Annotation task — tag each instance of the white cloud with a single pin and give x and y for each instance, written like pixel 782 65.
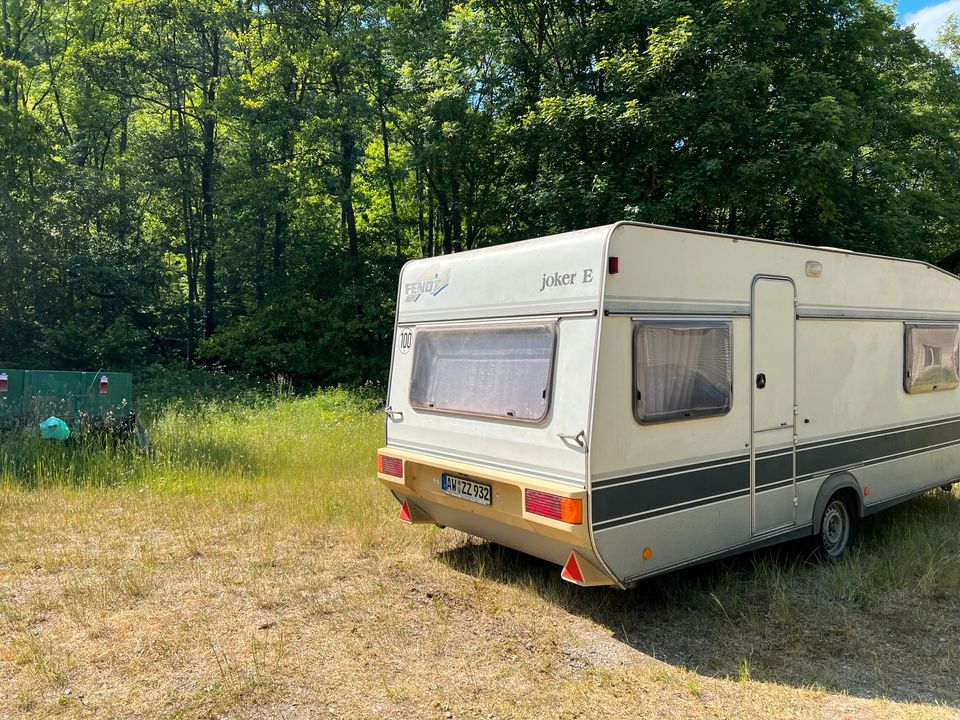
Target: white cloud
pixel 930 19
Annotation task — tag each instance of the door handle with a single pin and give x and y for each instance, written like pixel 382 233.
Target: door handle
pixel 761 381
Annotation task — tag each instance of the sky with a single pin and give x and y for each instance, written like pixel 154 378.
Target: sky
pixel 926 15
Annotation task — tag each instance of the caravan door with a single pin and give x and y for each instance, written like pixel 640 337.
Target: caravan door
pixel 773 404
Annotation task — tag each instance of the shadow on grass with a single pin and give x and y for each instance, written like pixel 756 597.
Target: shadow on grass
pixel 885 622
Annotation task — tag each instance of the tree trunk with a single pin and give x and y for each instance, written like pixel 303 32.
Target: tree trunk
pixel 279 241
pixel 431 229
pixel 207 164
pixel 347 163
pixel 394 217
pixel 259 279
pixel 418 185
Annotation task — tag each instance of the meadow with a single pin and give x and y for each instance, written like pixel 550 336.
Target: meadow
pixel 252 567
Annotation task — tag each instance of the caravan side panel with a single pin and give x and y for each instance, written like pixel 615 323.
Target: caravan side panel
pixel 691 489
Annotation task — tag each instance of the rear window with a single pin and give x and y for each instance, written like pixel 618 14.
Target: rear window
pixel 500 371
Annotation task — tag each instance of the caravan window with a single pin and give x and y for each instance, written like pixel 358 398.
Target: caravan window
pixel 682 369
pixel 501 371
pixel 930 358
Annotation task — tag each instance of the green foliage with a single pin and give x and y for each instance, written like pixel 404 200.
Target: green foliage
pixel 237 184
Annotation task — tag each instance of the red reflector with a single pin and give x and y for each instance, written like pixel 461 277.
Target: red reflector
pixel 571 571
pixel 613 264
pixel 390 465
pixel 104 385
pixel 4 382
pixel 405 513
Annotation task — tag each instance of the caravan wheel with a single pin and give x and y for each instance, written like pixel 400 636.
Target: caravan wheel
pixel 837 528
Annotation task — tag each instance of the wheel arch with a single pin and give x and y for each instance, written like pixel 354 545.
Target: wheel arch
pixel 833 484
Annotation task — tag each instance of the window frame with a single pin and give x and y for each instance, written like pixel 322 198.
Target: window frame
pixel 553 324
pixel 686 323
pixel 909 383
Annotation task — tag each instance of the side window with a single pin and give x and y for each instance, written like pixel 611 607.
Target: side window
pixel 682 369
pixel 930 360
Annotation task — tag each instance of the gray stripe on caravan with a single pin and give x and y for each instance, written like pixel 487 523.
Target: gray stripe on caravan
pixel 877 432
pixel 820 458
pixel 772 471
pixel 613 481
pixel 765 455
pixel 673 508
pixel 625 305
pixel 656 493
pixel 610 479
pixel 882 459
pixel 622 305
pixel 620 522
pixel 667 472
pixel 543 308
pixel 841 312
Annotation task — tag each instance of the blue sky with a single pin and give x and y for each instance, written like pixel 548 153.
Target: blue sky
pixel 927 15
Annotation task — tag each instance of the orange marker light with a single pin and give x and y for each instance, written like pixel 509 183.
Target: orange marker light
pixel 571 510
pixel 866 491
pixel 647 552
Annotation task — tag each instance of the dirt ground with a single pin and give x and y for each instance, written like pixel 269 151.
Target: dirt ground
pixel 132 604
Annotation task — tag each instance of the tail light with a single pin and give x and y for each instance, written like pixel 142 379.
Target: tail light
pixel 390 465
pixel 4 383
pixel 104 384
pixel 568 510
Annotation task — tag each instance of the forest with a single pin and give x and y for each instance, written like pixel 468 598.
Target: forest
pixel 235 184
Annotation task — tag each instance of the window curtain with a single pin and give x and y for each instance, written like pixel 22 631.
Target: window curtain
pixel 683 371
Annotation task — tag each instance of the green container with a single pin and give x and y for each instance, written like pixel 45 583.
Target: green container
pixel 100 399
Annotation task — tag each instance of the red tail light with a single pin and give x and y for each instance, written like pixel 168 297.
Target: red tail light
pixel 390 465
pixel 4 383
pixel 568 510
pixel 104 385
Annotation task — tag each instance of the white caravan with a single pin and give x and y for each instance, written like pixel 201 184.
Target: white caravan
pixel 631 399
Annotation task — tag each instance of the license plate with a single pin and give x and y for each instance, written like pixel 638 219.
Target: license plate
pixel 467 489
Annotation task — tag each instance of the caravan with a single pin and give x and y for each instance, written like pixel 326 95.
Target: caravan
pixel 631 399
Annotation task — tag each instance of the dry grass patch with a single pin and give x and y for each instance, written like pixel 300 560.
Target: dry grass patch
pixel 259 573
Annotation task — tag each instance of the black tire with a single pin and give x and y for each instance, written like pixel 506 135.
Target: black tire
pixel 838 527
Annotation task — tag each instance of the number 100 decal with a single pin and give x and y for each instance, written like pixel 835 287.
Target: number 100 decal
pixel 406 340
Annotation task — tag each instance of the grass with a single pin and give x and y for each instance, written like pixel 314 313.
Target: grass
pixel 253 567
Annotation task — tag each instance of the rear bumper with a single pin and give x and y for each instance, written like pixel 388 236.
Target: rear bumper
pixel 505 521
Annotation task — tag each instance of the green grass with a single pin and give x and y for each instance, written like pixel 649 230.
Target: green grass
pixel 322 446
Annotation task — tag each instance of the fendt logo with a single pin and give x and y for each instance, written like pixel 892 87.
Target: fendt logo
pixel 431 282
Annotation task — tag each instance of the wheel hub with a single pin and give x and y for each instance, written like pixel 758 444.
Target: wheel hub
pixel 836 528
